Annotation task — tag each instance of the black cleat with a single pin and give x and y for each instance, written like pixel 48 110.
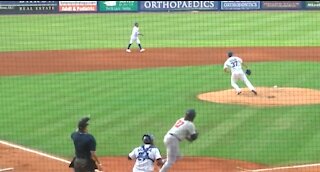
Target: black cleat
pixel 255 93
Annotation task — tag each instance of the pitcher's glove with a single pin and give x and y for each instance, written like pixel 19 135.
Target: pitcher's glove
pixel 248 72
pixel 193 137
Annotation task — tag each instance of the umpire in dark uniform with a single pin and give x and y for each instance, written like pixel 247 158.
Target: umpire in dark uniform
pixel 86 159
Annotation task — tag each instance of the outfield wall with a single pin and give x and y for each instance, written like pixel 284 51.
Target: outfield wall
pixel 51 7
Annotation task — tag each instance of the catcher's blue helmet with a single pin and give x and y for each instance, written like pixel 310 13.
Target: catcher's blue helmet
pixel 147 138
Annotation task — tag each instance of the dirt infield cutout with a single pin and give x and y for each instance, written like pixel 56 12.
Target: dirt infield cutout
pixel 22 159
pixel 267 96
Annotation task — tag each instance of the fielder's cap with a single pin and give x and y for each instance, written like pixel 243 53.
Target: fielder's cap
pixel 230 53
pixel 83 123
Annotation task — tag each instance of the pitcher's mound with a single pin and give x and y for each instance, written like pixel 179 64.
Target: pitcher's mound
pixel 273 96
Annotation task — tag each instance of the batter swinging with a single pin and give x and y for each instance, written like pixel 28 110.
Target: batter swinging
pixel 182 129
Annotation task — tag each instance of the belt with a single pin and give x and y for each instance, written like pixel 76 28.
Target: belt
pixel 175 136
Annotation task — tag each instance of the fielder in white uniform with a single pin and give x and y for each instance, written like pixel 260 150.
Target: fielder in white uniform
pixel 182 129
pixel 234 64
pixel 135 38
pixel 145 155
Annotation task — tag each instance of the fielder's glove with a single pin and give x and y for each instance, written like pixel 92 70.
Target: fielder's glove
pixel 248 72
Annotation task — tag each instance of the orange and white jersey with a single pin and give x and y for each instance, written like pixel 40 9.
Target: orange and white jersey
pixel 182 129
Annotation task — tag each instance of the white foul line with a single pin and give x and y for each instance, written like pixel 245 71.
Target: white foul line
pixel 6 169
pixel 33 151
pixel 68 162
pixel 284 168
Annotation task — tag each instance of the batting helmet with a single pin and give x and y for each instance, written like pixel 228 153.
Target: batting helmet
pixel 147 138
pixel 190 114
pixel 230 54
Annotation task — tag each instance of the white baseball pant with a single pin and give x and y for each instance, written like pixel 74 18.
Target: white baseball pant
pixel 134 39
pixel 136 170
pixel 172 145
pixel 242 76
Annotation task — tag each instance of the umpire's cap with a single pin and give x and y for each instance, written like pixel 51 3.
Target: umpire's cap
pixel 230 54
pixel 147 138
pixel 83 123
pixel 190 114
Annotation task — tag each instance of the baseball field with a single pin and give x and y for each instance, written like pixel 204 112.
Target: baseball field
pixel 55 69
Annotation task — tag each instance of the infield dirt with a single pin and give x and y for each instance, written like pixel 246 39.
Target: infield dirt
pixel 44 62
pixel 280 96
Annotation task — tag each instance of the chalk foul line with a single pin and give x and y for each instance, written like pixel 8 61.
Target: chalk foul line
pixel 33 151
pixel 286 167
pixel 68 162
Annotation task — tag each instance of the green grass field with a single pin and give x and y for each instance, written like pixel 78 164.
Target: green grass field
pixel 41 111
pixel 55 32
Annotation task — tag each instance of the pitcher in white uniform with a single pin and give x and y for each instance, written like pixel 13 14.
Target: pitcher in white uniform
pixel 135 38
pixel 145 155
pixel 234 64
pixel 182 129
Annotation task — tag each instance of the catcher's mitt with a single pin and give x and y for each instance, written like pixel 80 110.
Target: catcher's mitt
pixel 248 72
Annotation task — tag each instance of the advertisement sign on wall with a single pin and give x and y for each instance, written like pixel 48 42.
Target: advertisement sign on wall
pixel 281 5
pixel 312 4
pixel 28 7
pixel 105 6
pixel 240 5
pixel 77 6
pixel 178 5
